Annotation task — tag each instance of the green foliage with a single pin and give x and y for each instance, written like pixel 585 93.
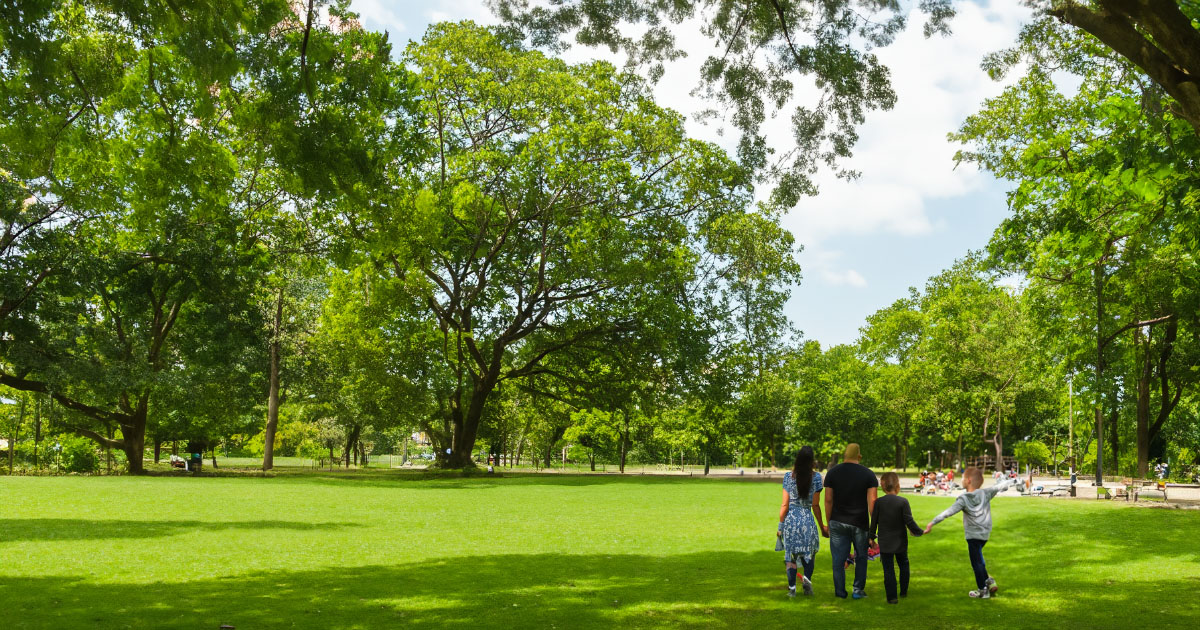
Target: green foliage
pixel 77 454
pixel 1032 452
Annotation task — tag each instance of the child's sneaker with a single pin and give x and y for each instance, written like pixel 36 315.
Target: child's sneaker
pixel 982 593
pixel 807 585
pixel 791 591
pixel 990 585
pixel 858 595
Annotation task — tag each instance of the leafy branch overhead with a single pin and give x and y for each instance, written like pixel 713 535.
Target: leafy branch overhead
pixel 762 55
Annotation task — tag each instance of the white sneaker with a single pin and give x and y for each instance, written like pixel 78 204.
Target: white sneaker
pixel 982 593
pixel 791 591
pixel 990 585
pixel 807 585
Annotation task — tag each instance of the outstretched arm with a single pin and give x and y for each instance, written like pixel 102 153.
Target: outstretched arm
pixel 950 511
pixel 998 488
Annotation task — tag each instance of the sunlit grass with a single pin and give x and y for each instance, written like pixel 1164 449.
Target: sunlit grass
pixel 387 548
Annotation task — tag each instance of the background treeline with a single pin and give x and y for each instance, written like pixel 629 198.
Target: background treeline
pixel 259 226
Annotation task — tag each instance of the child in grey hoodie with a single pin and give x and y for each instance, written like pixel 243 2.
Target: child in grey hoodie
pixel 976 506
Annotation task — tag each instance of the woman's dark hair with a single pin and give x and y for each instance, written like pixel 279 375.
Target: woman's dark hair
pixel 802 471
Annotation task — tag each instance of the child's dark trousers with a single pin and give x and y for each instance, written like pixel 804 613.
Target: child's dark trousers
pixel 975 549
pixel 889 573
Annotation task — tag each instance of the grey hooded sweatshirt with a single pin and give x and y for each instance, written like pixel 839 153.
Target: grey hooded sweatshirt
pixel 976 507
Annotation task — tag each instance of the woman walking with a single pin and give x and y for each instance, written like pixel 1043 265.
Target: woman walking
pixel 800 533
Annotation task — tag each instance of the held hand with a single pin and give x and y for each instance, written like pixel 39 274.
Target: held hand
pixel 825 531
pixel 929 528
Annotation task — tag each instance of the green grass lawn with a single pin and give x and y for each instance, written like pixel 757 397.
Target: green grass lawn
pixel 389 549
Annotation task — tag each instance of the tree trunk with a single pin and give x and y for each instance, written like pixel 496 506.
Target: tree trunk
pixel 214 456
pixel 592 459
pixel 37 429
pixel 157 449
pixel 1166 401
pixel 273 387
pixel 1098 281
pixel 133 437
pixel 351 440
pixel 624 440
pixel 1155 35
pixel 12 441
pixel 466 427
pixel 958 455
pixel 1113 416
pixel 108 451
pixel 1143 401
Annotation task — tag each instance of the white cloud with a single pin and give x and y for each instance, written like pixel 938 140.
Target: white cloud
pixel 903 154
pixel 825 266
pixel 379 15
pixel 457 10
pixel 848 277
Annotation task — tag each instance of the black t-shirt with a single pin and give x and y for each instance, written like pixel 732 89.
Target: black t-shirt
pixel 849 483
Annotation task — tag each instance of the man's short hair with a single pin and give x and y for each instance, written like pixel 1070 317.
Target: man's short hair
pixel 890 481
pixel 975 475
pixel 852 452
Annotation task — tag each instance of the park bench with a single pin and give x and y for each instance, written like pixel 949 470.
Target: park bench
pixel 1181 486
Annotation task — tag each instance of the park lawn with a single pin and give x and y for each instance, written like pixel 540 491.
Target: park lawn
pixel 387 549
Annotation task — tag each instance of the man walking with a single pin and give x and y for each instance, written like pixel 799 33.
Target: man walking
pixel 850 491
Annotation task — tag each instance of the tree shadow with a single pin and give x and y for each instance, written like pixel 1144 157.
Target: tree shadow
pixel 716 589
pixel 56 529
pixel 440 480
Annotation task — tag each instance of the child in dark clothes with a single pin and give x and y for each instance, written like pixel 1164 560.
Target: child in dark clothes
pixel 891 517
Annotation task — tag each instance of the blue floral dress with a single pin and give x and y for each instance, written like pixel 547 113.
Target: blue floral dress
pixel 801 538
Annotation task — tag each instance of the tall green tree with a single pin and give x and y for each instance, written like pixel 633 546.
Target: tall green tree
pixel 555 196
pixel 1106 195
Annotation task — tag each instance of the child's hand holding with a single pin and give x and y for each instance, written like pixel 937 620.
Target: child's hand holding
pixel 929 527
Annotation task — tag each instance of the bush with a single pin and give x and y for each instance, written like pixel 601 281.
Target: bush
pixel 78 454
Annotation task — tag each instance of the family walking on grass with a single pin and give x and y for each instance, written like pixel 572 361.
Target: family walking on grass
pixel 854 515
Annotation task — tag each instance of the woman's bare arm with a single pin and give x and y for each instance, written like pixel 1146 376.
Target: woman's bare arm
pixel 819 513
pixel 783 509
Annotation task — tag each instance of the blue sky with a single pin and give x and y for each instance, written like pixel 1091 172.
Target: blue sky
pixel 910 215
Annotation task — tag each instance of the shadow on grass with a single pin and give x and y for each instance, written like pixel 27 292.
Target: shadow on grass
pixel 708 589
pixel 438 480
pixel 52 529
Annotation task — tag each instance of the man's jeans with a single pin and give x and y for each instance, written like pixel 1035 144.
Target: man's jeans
pixel 841 536
pixel 975 550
